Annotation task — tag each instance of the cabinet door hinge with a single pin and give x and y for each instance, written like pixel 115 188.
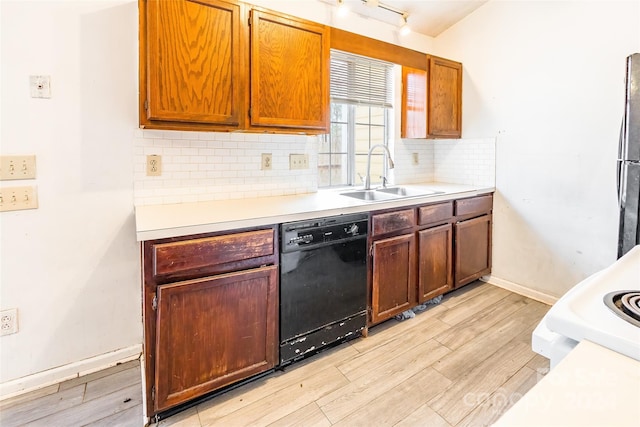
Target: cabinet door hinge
pixel 371 251
pixel 146 104
pixel 154 303
pixel 153 393
pixel 249 112
pixel 250 20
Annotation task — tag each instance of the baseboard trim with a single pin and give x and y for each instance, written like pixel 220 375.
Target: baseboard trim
pixel 66 372
pixel 519 289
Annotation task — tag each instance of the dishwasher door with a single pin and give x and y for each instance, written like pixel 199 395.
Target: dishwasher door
pixel 323 286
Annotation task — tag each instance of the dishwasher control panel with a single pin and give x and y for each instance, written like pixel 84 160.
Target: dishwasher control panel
pixel 302 234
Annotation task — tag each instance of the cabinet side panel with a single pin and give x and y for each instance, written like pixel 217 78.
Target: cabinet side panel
pixel 414 103
pixel 212 332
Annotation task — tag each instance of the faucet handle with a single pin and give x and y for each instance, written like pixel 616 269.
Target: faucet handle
pixel 385 181
pixel 361 177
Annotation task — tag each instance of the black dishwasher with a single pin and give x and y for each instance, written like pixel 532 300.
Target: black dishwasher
pixel 323 283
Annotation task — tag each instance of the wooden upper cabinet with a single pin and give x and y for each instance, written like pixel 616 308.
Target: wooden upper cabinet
pixel 414 103
pixel 444 100
pixel 432 100
pixel 289 72
pixel 192 66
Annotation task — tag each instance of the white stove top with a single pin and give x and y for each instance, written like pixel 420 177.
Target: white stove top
pixel 582 314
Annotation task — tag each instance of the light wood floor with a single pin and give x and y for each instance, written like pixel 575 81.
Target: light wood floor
pixel 460 363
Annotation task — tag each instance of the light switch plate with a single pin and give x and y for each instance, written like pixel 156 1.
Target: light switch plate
pixel 17 167
pixel 18 198
pixel 267 162
pixel 415 159
pixel 298 161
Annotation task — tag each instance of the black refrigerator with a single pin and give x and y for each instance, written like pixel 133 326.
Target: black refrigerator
pixel 629 160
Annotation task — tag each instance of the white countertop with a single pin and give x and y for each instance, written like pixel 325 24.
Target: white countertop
pixel 181 219
pixel 592 386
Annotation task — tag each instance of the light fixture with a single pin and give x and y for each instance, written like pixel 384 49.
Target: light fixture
pixel 343 9
pixel 405 29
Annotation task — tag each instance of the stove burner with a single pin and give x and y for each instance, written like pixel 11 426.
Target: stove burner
pixel 626 304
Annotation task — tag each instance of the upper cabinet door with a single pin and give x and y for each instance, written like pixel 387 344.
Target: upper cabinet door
pixel 194 62
pixel 414 103
pixel 289 72
pixel 444 118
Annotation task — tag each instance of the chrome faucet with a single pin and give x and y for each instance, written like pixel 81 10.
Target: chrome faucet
pixel 367 178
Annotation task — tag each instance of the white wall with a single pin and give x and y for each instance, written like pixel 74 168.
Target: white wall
pixel 547 79
pixel 70 267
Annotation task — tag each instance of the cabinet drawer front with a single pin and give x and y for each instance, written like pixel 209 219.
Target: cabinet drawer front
pixel 393 221
pixel 435 213
pixel 475 205
pixel 177 257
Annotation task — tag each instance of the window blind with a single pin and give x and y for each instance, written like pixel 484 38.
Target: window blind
pixel 357 79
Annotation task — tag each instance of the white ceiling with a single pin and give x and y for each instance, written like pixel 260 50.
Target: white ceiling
pixel 429 17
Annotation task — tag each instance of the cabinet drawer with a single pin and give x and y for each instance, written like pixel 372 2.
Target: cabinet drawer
pixel 435 213
pixel 194 254
pixel 474 205
pixel 392 221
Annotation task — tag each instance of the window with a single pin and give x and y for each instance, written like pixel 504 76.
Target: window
pixel 361 112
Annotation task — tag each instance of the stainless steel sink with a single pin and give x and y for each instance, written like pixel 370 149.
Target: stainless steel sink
pixel 390 193
pixel 409 192
pixel 369 195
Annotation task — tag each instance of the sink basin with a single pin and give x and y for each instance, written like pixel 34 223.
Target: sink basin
pixel 390 193
pixel 369 195
pixel 408 192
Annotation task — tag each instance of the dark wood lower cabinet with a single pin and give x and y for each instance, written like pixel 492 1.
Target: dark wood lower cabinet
pixel 214 331
pixel 435 262
pixel 421 252
pixel 393 289
pixel 472 249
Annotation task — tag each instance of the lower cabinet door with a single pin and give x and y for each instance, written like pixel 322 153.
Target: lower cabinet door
pixel 435 267
pixel 473 249
pixel 213 332
pixel 394 285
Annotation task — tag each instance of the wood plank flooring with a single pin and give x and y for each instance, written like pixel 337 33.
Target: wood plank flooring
pixel 459 363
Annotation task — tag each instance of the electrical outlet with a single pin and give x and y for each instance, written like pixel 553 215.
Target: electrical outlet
pixel 17 167
pixel 298 161
pixel 9 321
pixel 415 159
pixel 18 198
pixel 267 162
pixel 154 165
pixel 40 86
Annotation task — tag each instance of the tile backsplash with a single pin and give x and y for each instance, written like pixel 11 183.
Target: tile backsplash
pixel 465 161
pixel 200 166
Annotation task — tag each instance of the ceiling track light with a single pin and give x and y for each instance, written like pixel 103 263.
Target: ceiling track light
pixel 343 9
pixel 404 28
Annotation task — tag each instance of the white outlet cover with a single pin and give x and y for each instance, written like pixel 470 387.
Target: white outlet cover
pixel 40 86
pixel 9 321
